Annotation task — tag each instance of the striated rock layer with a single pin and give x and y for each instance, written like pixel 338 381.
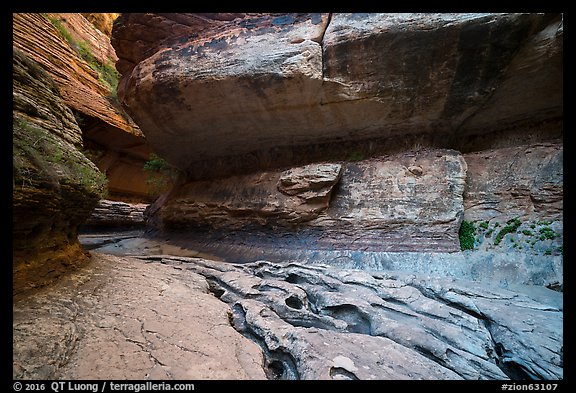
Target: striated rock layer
pixel 215 90
pixel 109 213
pixel 402 102
pixel 54 186
pixel 524 181
pixel 409 201
pixel 80 60
pixel 79 84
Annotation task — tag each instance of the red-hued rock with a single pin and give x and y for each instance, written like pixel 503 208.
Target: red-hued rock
pixel 523 181
pixel 79 84
pixel 206 89
pixel 80 81
pixel 377 204
pixel 55 187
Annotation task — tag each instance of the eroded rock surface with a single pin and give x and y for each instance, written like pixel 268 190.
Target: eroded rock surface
pixel 54 186
pixel 257 83
pixel 79 84
pixel 402 202
pixel 524 181
pixel 163 317
pixel 109 213
pixel 321 322
pixel 119 318
pixel 80 60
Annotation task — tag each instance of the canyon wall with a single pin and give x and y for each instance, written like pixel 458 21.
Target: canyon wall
pixel 73 143
pixel 54 186
pixel 434 119
pixel 242 95
pixel 81 61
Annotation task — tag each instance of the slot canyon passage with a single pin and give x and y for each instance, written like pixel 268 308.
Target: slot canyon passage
pixel 256 196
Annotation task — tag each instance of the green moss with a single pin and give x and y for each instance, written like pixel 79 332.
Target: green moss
pixel 60 27
pixel 484 225
pixel 527 232
pixel 489 233
pixel 466 235
pixel 512 226
pixel 40 157
pixel 543 222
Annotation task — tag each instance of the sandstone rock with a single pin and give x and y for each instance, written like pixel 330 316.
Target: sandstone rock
pixel 114 213
pixel 38 38
pixel 54 186
pixel 311 181
pixel 498 267
pixel 320 322
pixel 118 318
pixel 264 82
pixel 524 181
pixel 139 35
pixel 86 84
pixel 378 205
pixel 102 21
pixel 268 199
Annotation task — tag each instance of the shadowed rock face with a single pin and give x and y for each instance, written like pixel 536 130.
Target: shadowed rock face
pixel 410 201
pixel 524 181
pixel 116 214
pixel 260 82
pixel 55 187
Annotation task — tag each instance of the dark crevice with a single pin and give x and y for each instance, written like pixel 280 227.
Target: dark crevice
pixel 349 313
pixel 426 293
pixel 278 364
pixel 321 42
pixel 512 369
pixel 294 302
pixel 342 373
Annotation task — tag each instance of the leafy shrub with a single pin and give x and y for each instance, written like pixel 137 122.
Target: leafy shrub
pixel 512 226
pixel 547 233
pixel 466 235
pixel 159 174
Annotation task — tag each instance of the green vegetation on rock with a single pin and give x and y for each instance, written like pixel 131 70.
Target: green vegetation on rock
pixel 547 233
pixel 466 235
pixel 159 174
pixel 42 158
pixel 512 226
pixel 107 73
